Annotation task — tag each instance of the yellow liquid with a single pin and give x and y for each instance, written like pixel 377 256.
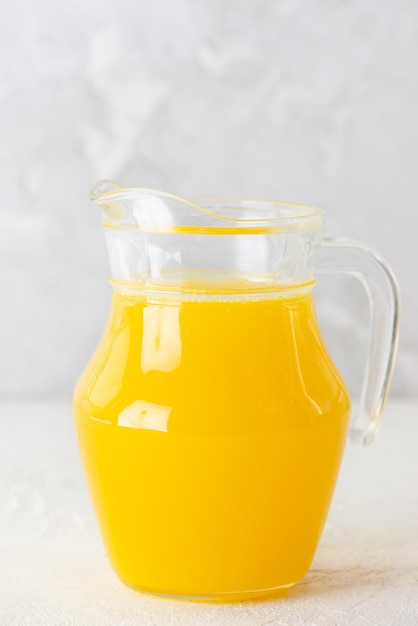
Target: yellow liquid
pixel 211 433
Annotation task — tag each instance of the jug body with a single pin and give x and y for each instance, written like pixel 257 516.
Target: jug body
pixel 211 419
pixel 211 432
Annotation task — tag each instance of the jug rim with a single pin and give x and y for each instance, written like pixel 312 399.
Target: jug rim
pixel 273 215
pixel 311 209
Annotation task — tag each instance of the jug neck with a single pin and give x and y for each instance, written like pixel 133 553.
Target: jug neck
pixel 157 241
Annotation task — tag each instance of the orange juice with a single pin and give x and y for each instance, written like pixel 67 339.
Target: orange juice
pixel 211 433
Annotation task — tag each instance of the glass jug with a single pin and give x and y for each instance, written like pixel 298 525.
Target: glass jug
pixel 211 419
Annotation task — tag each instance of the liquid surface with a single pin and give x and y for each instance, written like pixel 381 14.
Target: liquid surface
pixel 211 433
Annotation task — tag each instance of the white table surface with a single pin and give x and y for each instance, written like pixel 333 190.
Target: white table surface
pixel 53 569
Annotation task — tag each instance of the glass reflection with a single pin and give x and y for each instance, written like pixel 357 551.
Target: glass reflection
pixel 145 415
pixel 161 342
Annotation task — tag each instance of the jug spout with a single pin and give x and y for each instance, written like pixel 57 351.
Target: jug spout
pixel 108 194
pixel 103 187
pixel 147 209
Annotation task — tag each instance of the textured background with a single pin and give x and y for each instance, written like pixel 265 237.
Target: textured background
pixel 313 101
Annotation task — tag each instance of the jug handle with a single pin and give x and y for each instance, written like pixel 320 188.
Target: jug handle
pixel 357 259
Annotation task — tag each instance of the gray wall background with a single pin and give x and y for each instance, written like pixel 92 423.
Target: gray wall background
pixel 313 101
